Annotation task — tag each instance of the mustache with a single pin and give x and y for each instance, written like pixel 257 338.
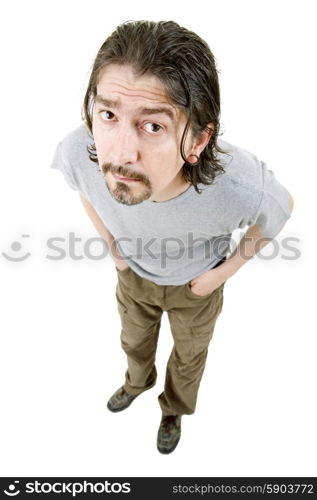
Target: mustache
pixel 124 172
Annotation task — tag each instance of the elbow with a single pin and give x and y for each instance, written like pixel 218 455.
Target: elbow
pixel 290 202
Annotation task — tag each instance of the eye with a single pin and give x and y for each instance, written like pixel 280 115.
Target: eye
pixel 106 115
pixel 153 128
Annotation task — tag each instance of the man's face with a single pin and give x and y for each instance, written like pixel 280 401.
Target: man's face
pixel 137 132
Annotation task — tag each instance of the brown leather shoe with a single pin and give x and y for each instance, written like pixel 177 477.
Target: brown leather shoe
pixel 120 400
pixel 169 433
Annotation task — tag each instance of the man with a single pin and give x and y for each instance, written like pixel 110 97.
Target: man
pixel 166 198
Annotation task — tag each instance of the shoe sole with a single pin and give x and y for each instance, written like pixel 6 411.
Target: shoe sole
pixel 116 410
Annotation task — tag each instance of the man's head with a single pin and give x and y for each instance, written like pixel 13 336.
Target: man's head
pixel 153 106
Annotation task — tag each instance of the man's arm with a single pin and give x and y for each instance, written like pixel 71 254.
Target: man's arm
pixel 251 243
pixel 104 233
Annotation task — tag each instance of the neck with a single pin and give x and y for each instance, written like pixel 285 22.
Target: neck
pixel 171 191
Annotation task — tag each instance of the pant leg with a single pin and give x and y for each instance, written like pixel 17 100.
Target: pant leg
pixel 192 320
pixel 140 321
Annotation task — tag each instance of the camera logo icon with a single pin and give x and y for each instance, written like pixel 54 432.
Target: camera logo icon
pixel 12 490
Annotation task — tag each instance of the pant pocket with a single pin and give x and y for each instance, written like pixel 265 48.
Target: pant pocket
pixel 194 295
pixel 122 271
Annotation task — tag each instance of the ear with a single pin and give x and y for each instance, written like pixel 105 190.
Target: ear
pixel 202 140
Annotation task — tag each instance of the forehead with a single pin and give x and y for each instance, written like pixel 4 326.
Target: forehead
pixel 120 82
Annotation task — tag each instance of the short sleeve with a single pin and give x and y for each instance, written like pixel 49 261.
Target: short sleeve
pixel 274 209
pixel 61 163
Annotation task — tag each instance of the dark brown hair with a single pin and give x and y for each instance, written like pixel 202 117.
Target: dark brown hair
pixel 185 66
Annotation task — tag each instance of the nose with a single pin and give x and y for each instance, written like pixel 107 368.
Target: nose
pixel 124 149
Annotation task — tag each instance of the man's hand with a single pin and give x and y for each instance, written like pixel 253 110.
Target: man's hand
pixel 121 265
pixel 251 243
pixel 207 282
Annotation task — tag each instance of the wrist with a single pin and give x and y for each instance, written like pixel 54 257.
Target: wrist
pixel 232 265
pixel 121 265
pixel 225 270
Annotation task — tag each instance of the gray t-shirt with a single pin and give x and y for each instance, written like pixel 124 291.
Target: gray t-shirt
pixel 173 241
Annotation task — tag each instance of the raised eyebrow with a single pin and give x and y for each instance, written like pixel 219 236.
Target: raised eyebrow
pixel 144 111
pixel 156 111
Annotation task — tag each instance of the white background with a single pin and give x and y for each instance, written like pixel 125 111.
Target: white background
pixel 60 351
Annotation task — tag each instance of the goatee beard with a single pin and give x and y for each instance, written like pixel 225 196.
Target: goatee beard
pixel 122 191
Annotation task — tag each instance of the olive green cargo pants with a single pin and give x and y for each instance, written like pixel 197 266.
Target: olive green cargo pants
pixel 192 320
